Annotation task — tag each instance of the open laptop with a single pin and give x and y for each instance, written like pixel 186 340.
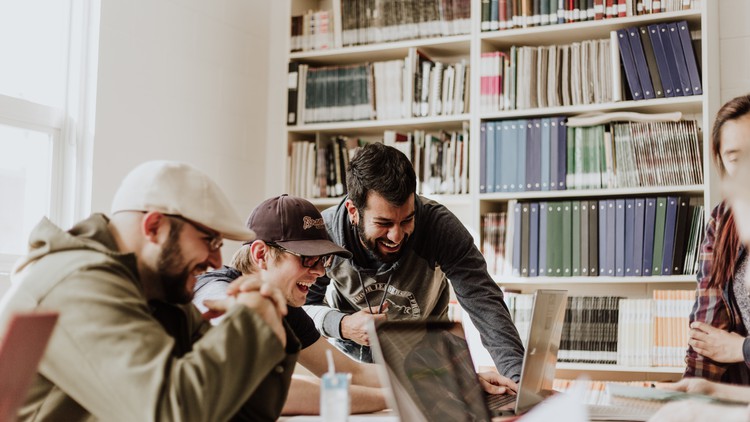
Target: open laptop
pixel 21 348
pixel 431 376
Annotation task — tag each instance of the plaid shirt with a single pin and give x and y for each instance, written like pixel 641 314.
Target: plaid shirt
pixel 718 308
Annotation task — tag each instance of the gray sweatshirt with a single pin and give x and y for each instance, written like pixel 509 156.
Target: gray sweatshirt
pixel 416 286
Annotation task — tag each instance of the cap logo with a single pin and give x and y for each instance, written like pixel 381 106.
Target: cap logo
pixel 308 222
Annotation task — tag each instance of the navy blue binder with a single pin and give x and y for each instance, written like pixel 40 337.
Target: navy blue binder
pixel 629 236
pixel 679 58
pixel 638 222
pixel 690 59
pixel 628 62
pixel 542 247
pixel 674 73
pixel 670 224
pixel 483 158
pixel 649 222
pixel 641 65
pixel 661 60
pixel 533 239
pixel 619 237
pixel 490 157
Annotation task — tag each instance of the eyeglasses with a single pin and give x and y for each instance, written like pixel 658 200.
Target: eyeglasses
pixel 307 261
pixel 214 241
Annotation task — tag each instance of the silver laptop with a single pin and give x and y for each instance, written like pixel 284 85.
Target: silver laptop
pixel 430 376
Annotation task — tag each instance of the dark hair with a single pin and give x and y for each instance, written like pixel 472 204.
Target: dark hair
pixel 727 244
pixel 382 169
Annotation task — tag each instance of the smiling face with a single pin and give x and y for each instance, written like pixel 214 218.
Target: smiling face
pixel 285 271
pixel 383 227
pixel 184 255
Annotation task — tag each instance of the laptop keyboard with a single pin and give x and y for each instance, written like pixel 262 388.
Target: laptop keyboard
pixel 496 401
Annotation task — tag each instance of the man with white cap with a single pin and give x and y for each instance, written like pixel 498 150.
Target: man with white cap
pixel 291 251
pixel 129 345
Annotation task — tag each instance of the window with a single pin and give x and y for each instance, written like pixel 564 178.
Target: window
pixel 47 83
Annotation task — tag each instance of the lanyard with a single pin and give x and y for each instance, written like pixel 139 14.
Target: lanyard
pixel 385 292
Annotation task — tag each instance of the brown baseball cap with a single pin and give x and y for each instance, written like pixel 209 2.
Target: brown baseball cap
pixel 294 224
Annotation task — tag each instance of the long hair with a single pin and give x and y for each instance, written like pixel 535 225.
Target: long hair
pixel 727 244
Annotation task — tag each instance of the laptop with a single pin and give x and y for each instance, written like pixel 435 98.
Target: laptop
pixel 430 374
pixel 21 348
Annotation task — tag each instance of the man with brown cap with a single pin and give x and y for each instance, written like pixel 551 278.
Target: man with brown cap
pixel 292 250
pixel 129 345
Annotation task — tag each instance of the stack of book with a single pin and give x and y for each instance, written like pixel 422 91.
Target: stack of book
pixel 416 86
pixel 312 31
pixel 618 237
pixel 545 154
pixel 368 22
pixel 508 14
pixel 615 330
pixel 549 76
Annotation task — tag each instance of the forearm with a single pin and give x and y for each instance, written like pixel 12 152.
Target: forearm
pixel 327 320
pixel 304 396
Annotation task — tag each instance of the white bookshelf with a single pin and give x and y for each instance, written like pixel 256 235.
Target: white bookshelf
pixel 469 207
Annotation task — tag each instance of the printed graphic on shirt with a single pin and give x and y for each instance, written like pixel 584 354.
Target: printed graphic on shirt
pixel 401 304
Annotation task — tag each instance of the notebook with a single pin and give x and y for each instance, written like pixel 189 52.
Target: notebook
pixel 21 349
pixel 431 377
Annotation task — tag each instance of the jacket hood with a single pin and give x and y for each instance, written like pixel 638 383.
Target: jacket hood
pixel 90 234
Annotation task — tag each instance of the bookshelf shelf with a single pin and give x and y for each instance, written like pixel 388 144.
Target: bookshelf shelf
pixel 685 105
pixel 593 193
pixel 570 32
pixel 457 45
pixel 619 368
pixel 520 281
pixel 472 207
pixel 367 127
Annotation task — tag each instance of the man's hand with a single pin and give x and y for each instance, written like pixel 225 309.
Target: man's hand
pixel 715 343
pixel 252 283
pixel 494 383
pixel 354 326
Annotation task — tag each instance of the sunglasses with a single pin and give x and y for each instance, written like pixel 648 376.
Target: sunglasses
pixel 307 261
pixel 214 241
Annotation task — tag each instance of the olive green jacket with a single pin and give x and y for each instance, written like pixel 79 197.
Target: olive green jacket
pixel 114 356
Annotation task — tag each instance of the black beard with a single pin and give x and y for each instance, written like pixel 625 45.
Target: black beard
pixel 372 246
pixel 173 282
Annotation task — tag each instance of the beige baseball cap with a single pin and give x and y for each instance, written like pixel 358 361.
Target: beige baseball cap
pixel 175 188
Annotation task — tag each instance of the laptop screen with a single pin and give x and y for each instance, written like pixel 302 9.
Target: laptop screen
pixel 429 366
pixel 431 374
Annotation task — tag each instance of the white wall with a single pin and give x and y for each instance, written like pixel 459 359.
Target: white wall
pixel 734 42
pixel 184 80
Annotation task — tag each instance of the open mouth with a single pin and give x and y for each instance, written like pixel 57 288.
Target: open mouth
pixel 389 247
pixel 303 287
